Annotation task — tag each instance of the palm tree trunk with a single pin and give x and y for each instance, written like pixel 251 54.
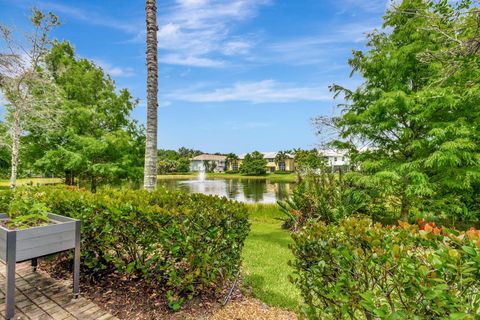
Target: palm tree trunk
pixel 150 170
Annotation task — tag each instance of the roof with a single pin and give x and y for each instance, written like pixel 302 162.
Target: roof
pixel 209 157
pixel 333 153
pixel 266 155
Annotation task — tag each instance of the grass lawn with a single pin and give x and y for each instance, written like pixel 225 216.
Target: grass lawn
pixel 265 259
pixel 289 177
pixel 31 181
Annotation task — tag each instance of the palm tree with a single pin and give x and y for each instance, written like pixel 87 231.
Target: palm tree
pixel 281 158
pixel 150 170
pixel 232 161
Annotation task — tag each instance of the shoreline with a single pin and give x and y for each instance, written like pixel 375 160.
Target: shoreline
pixel 288 177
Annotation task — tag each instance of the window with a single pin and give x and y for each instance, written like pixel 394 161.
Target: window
pixel 282 166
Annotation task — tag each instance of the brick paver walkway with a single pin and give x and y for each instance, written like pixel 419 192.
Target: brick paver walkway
pixel 41 297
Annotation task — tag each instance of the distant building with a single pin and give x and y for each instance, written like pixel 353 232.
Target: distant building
pixel 213 162
pixel 337 160
pixel 272 166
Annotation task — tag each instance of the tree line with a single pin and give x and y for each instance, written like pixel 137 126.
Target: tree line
pixel 413 125
pixel 64 116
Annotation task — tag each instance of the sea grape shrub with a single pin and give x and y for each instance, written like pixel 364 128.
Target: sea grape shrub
pixel 184 243
pixel 360 270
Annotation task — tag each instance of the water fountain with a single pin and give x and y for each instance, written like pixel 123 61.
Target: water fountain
pixel 201 173
pixel 237 189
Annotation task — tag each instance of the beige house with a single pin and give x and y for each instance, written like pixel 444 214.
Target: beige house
pixel 216 163
pixel 272 166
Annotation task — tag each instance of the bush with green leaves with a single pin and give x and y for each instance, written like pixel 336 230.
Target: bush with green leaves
pixel 23 208
pixel 283 172
pixel 5 198
pixel 184 243
pixel 253 164
pixel 360 270
pixel 321 196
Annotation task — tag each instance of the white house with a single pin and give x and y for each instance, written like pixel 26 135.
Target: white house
pixel 336 159
pixel 215 162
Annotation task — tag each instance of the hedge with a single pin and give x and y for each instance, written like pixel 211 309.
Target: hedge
pixel 360 270
pixel 184 243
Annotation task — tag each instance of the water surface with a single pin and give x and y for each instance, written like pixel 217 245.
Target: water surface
pixel 244 189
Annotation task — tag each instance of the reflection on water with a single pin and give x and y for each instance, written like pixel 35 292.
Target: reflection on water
pixel 244 190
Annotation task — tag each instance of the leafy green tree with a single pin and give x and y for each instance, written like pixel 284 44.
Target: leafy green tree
pixel 183 165
pixel 166 166
pixel 231 161
pixel 254 164
pixel 170 161
pixel 97 141
pixel 308 160
pixel 165 154
pixel 188 153
pixel 419 121
pixel 4 162
pixel 281 157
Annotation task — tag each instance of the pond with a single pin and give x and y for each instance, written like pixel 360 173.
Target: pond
pixel 244 189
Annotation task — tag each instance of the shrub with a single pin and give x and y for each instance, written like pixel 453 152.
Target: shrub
pixel 254 164
pixel 283 172
pixel 22 209
pixel 187 244
pixel 5 198
pixel 324 196
pixel 361 270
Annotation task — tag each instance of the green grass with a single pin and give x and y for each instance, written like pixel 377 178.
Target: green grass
pixel 265 258
pixel 31 181
pixel 174 176
pixel 289 177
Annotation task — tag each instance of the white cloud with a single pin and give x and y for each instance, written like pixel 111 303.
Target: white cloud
pixel 317 49
pixel 266 91
pixel 91 16
pixel 115 71
pixel 169 31
pixel 198 32
pixel 192 3
pixel 233 48
pixel 164 104
pixel 192 61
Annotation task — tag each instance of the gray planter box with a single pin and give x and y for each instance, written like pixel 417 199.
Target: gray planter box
pixel 29 244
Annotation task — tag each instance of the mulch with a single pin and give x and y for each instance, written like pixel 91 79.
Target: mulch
pixel 251 309
pixel 131 298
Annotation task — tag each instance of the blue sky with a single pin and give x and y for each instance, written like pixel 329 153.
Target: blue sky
pixel 234 76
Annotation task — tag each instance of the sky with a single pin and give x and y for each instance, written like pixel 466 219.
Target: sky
pixel 234 75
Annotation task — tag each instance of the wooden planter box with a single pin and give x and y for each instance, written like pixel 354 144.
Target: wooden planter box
pixel 29 244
